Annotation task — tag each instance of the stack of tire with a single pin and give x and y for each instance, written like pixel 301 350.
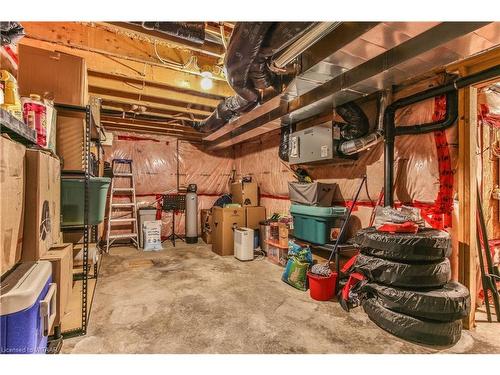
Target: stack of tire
pixel 409 292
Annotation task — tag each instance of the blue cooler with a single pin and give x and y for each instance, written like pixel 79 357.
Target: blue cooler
pixel 27 308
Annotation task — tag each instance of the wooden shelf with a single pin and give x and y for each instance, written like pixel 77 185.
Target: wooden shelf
pixel 17 130
pixel 275 244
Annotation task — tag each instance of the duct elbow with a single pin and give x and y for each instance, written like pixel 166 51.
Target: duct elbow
pixel 354 146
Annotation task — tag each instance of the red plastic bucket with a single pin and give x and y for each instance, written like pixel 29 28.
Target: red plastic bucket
pixel 322 288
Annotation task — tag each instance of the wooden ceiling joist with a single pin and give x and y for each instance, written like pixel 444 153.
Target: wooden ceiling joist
pixel 148 94
pixel 103 40
pixel 167 124
pixel 167 115
pixel 180 92
pixel 207 48
pixel 151 106
pixel 150 129
pixel 123 66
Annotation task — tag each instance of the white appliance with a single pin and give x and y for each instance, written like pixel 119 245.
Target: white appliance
pixel 243 243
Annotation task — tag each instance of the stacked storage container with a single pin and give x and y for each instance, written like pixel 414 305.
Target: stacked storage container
pixel 313 216
pixel 409 292
pixel 27 308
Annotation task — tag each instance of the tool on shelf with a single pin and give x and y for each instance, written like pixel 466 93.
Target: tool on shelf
pixel 116 216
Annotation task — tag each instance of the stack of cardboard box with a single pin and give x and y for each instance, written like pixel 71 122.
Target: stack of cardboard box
pixel 30 225
pixel 225 220
pixel 30 179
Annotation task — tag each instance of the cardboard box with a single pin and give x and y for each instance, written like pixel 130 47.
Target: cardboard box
pixel 61 257
pixel 12 187
pixel 245 193
pixel 62 75
pixel 42 222
pixel 253 216
pixel 70 141
pixel 224 222
pixel 206 225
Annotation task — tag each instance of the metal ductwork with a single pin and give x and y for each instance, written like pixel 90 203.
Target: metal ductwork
pixel 248 54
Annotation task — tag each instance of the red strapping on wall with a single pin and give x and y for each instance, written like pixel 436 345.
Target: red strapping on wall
pixel 489 118
pixel 439 214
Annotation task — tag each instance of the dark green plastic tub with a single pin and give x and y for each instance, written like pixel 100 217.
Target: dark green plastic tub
pixel 313 224
pixel 72 200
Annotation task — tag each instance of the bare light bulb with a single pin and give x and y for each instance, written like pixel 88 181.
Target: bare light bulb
pixel 206 82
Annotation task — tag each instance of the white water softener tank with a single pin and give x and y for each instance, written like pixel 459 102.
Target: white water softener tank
pixel 191 214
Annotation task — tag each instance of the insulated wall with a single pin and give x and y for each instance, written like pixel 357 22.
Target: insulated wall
pixel 162 163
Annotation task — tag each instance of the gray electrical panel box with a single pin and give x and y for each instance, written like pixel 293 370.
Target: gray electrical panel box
pixel 314 145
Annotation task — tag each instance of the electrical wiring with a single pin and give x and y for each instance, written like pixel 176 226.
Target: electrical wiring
pixel 171 63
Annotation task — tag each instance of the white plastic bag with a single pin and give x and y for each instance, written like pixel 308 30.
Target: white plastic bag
pixel 151 231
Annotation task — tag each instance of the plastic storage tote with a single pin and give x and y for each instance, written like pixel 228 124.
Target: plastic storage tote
pixel 72 200
pixel 27 308
pixel 313 224
pixel 311 194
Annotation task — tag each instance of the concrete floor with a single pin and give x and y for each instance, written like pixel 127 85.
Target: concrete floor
pixel 190 300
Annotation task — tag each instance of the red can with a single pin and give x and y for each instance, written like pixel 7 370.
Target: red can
pixel 35 116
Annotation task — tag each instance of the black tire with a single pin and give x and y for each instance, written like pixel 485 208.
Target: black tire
pixel 413 329
pixel 413 276
pixel 446 304
pixel 428 245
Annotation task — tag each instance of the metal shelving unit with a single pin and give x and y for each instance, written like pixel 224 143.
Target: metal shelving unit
pixel 16 129
pixel 89 231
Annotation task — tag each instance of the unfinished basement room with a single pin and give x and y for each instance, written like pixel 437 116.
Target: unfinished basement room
pixel 249 187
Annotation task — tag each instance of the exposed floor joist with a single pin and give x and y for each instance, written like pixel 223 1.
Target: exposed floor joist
pixel 103 40
pixel 208 48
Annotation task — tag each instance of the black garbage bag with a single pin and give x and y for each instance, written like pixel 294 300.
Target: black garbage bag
pixel 427 245
pixel 446 304
pixel 413 276
pixel 421 331
pixel 10 32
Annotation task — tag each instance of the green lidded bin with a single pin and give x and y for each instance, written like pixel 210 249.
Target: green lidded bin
pixel 72 200
pixel 313 224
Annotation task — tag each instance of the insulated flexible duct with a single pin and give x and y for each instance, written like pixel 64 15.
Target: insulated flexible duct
pixel 193 32
pixel 251 46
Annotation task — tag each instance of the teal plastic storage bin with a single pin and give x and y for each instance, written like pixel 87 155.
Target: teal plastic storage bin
pixel 313 224
pixel 72 200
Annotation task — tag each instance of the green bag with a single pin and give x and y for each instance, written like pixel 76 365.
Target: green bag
pixel 295 273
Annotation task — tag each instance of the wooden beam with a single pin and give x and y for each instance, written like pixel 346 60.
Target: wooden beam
pixel 110 97
pixel 136 90
pixel 207 48
pixel 467 190
pixel 167 124
pixel 476 63
pixel 95 77
pixel 146 129
pixel 105 40
pixel 167 115
pixel 134 69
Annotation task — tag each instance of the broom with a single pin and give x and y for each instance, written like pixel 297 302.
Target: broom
pixel 324 269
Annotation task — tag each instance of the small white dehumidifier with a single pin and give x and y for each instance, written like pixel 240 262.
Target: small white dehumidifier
pixel 243 243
